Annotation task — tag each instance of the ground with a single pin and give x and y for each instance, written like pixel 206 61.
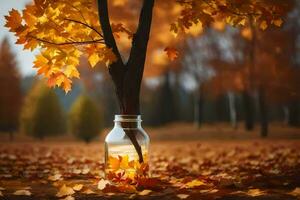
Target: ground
pixel 202 169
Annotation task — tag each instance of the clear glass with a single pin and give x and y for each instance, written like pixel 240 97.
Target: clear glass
pixel 122 161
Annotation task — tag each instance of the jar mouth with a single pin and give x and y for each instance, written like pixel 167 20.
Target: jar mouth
pixel 127 118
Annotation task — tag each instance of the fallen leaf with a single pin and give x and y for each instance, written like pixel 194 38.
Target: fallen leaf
pixel 193 183
pixel 1 188
pixel 68 198
pixel 1 195
pixel 77 187
pixel 255 192
pixel 22 193
pixel 55 177
pixel 126 188
pixel 102 184
pixel 88 191
pixel 295 192
pixel 65 191
pixel 182 196
pixel 145 192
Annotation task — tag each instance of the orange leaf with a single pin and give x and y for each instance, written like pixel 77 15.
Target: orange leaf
pixel 13 20
pixel 171 52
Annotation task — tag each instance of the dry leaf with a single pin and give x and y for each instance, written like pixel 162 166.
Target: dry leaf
pixel 182 196
pixel 2 188
pixel 295 192
pixel 22 192
pixel 65 191
pixel 255 192
pixel 88 191
pixel 1 194
pixel 145 192
pixel 55 177
pixel 102 184
pixel 68 198
pixel 193 183
pixel 77 187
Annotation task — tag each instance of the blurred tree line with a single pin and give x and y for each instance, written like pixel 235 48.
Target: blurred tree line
pixel 224 75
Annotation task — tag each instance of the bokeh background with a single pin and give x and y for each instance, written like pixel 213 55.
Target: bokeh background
pixel 227 83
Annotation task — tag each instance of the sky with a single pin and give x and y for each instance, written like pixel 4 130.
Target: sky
pixel 24 57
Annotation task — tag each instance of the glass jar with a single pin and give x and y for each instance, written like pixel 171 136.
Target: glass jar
pixel 126 150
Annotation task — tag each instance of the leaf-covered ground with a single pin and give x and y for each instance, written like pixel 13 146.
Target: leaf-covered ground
pixel 257 169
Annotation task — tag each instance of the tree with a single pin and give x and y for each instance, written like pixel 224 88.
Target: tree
pixel 42 114
pixel 65 30
pixel 86 121
pixel 11 96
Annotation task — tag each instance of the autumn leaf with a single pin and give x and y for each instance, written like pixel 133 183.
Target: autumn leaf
pixel 68 198
pixel 255 192
pixel 1 194
pixel 145 192
pixel 126 188
pixel 172 53
pixel 182 196
pixel 22 193
pixel 13 20
pixel 295 192
pixel 263 25
pixel 193 183
pixel 55 177
pixel 278 22
pixel 65 191
pixel 77 187
pixel 102 184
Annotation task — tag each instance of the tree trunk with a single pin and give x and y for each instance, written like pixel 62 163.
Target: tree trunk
pixel 293 114
pixel 127 77
pixel 263 112
pixel 248 111
pixel 198 107
pixel 232 109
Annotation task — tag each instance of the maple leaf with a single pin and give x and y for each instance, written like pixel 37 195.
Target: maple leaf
pixel 13 20
pixel 22 193
pixel 172 53
pixel 65 191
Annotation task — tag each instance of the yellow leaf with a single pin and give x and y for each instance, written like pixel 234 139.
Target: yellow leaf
pixel 145 192
pixel 65 191
pixel 193 183
pixel 255 192
pixel 182 196
pixel 94 59
pixel 114 163
pixel 77 187
pixel 263 25
pixel 22 193
pixel 278 22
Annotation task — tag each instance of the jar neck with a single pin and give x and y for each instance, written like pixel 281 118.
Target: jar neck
pixel 128 121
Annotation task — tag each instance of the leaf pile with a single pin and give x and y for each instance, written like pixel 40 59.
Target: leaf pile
pixel 186 170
